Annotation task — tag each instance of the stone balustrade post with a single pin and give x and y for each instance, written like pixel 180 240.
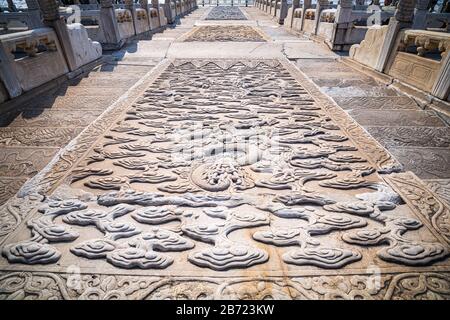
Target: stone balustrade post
pixel 403 18
pixel 129 5
pixel 344 11
pixel 306 5
pixel 168 12
pixel 108 25
pixel 441 88
pixel 320 6
pixel 291 10
pixel 143 4
pixel 34 14
pixel 8 75
pixel 342 21
pixel 420 14
pixel 52 19
pixel 155 5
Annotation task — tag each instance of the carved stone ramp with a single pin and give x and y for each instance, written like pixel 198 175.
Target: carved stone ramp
pixel 224 179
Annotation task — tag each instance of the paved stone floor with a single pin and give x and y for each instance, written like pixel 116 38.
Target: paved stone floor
pixel 224 168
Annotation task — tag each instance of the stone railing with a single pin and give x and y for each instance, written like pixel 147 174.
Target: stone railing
pixel 328 15
pixel 29 19
pixel 418 57
pixel 338 26
pixel 34 57
pixel 30 59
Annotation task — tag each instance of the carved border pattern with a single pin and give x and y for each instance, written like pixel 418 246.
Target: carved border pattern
pixel 39 285
pixel 430 207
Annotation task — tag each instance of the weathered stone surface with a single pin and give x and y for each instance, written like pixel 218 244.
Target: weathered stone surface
pixel 9 187
pixel 37 136
pixel 225 33
pixel 397 118
pixel 427 163
pixel 376 103
pixel 438 137
pixel 441 187
pixel 152 174
pixel 225 13
pixel 48 118
pixel 19 161
pixel 236 171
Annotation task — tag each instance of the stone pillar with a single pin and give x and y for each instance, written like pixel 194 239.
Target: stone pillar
pixel 420 14
pixel 321 5
pixel 11 6
pixel 405 11
pixel 7 73
pixel 108 25
pixel 168 11
pixel 306 5
pixel 290 16
pixel 50 14
pixel 129 5
pixel 143 4
pixel 342 22
pixel 344 11
pixel 155 5
pixel 283 11
pixel 441 88
pixel 34 14
pixel 402 19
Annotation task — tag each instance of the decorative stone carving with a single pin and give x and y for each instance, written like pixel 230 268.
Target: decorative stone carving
pixel 224 33
pixel 273 175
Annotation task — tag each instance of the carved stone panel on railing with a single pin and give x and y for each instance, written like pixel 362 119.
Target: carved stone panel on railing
pixel 419 57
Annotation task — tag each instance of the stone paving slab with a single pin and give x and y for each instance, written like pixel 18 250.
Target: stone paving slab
pixel 361 90
pixel 37 136
pixel 395 118
pixel 427 163
pixel 48 118
pixel 236 50
pixel 435 137
pixel 376 103
pixel 9 187
pixel 225 13
pixel 71 102
pixel 24 162
pixel 225 33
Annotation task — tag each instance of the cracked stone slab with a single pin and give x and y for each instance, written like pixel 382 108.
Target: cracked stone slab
pixel 309 66
pixel 134 197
